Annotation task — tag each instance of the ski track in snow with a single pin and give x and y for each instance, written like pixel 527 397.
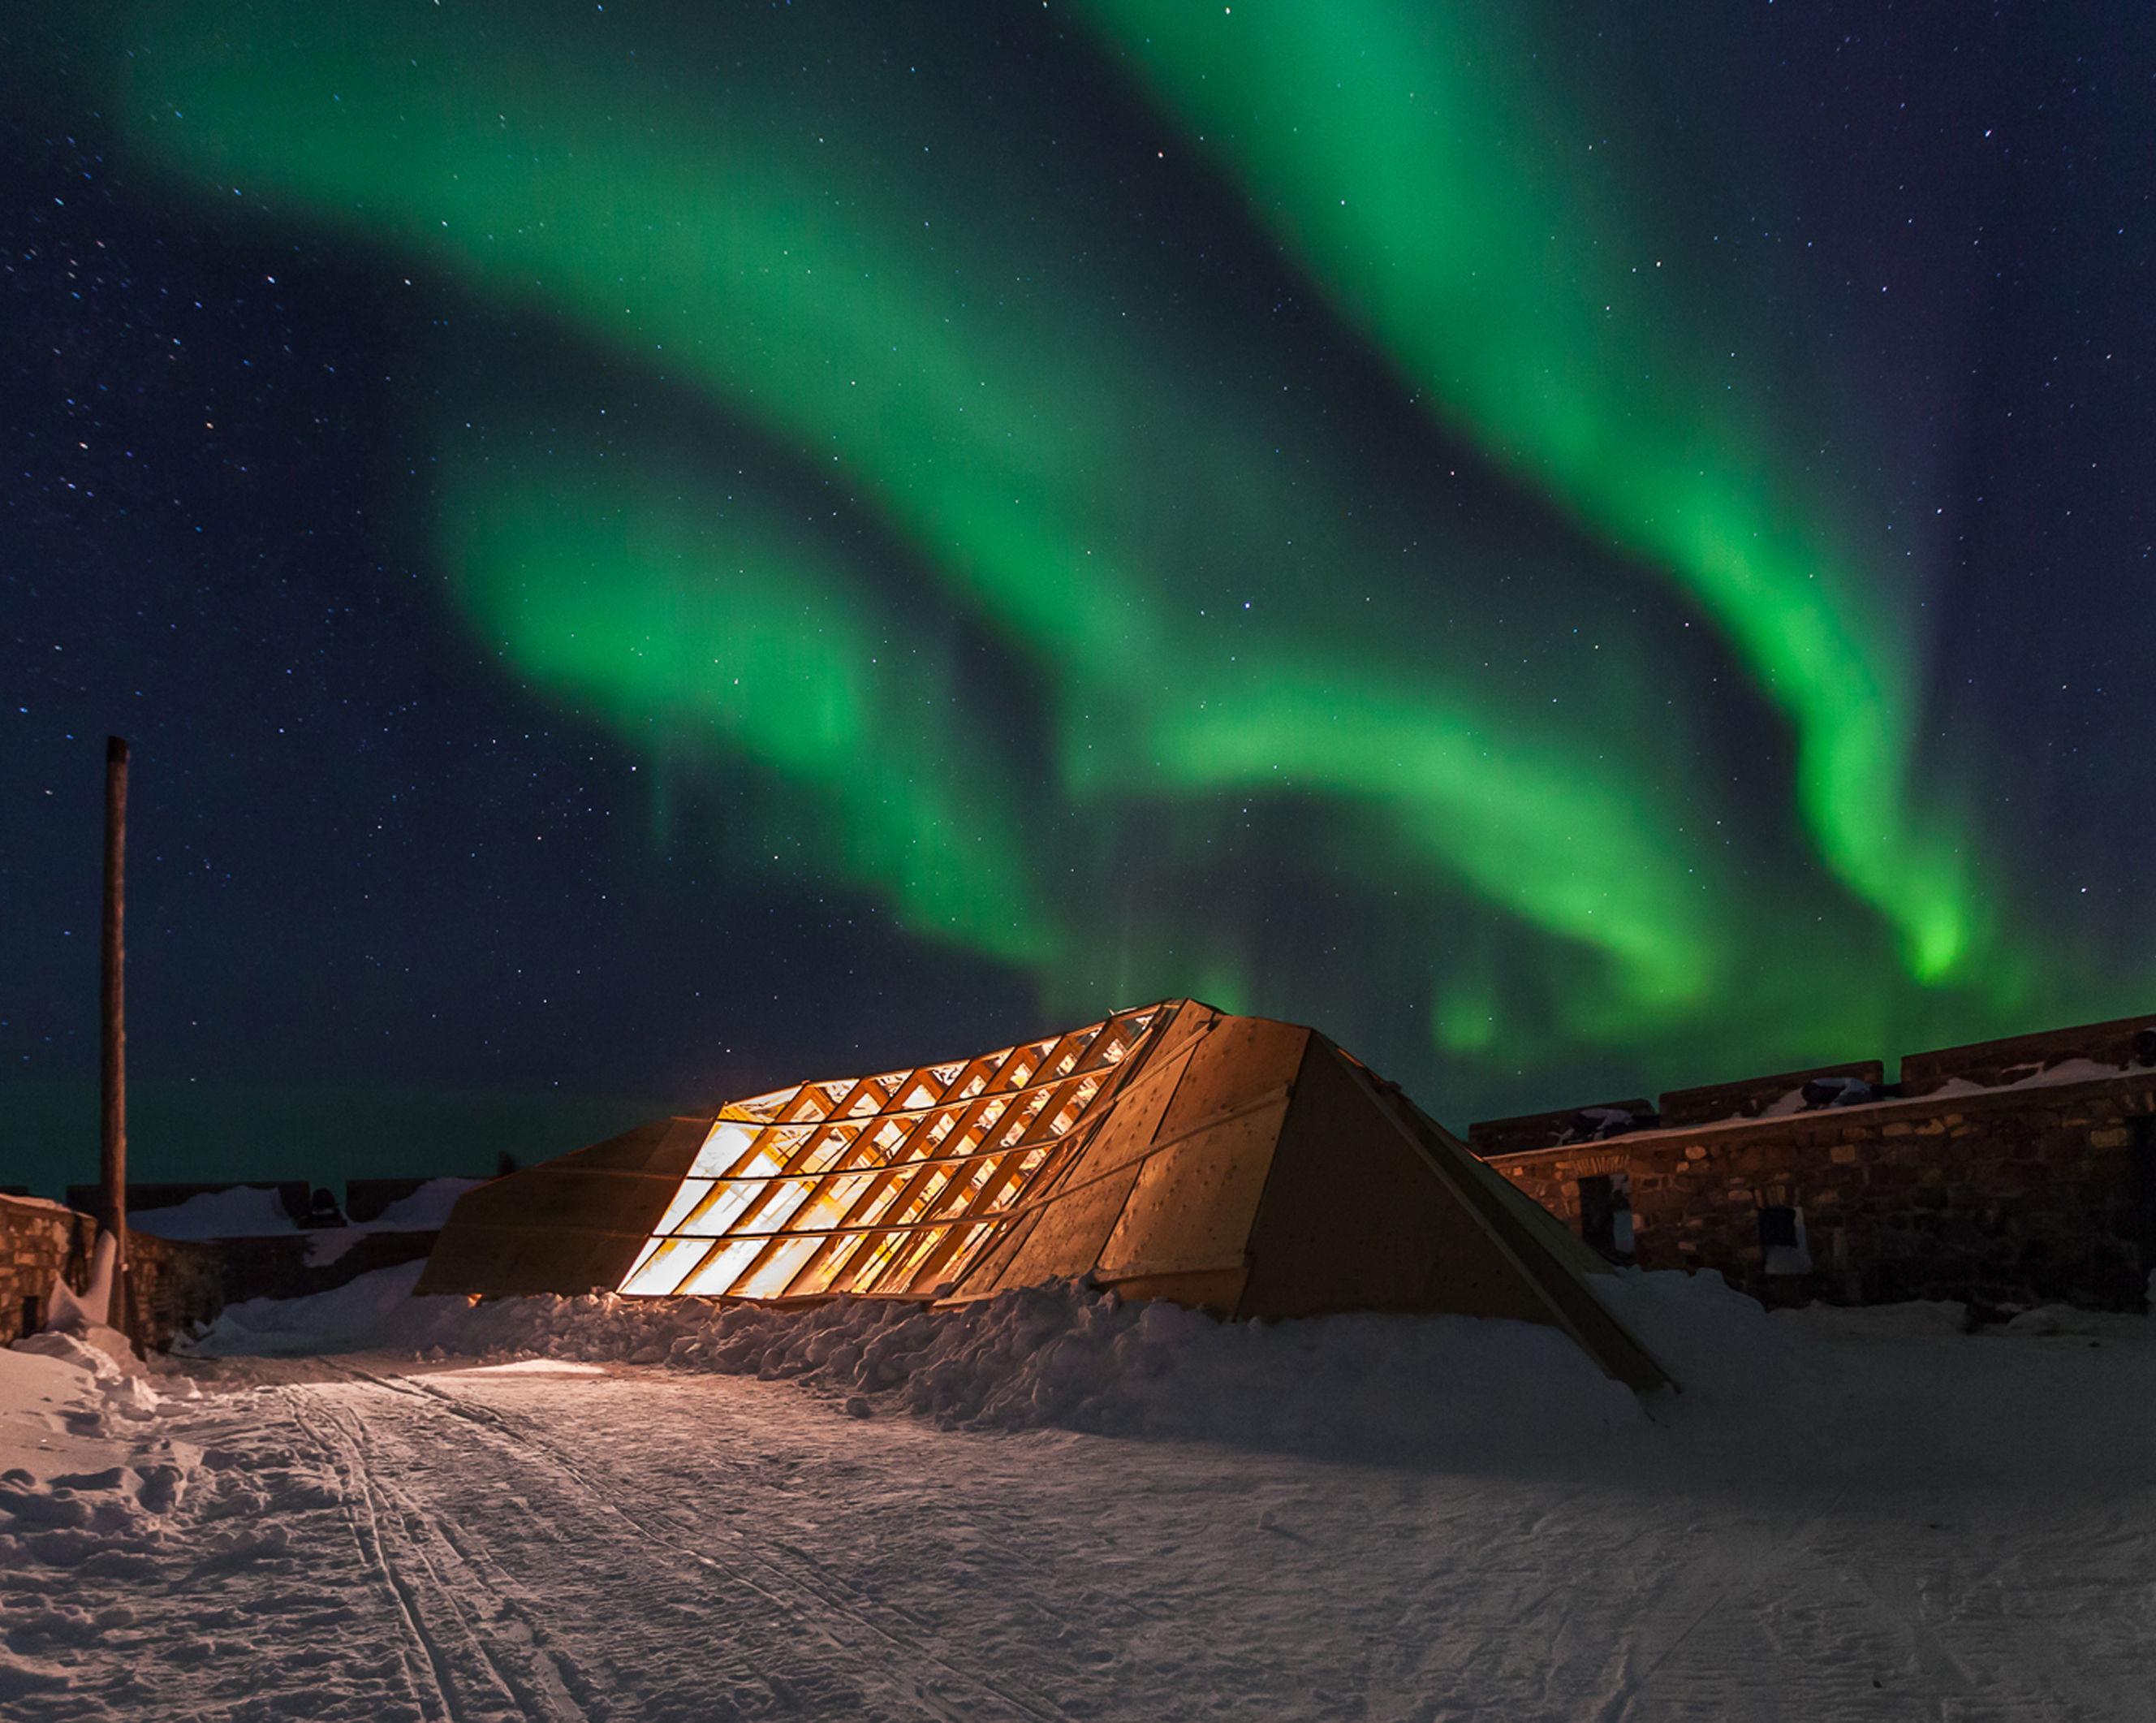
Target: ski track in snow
pixel 1954 1530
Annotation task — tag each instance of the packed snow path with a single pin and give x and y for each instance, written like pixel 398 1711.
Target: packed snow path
pixel 1955 1529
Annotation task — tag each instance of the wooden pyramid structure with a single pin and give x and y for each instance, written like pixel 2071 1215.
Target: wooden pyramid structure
pixel 1245 1166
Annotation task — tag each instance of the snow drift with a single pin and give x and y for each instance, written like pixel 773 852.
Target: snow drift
pixel 1065 1354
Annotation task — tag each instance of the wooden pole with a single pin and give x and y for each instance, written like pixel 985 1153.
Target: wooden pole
pixel 112 1143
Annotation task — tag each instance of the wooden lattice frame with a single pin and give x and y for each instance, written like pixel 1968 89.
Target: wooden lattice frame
pixel 889 1186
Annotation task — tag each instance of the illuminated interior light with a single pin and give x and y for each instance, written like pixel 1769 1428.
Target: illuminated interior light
pixel 880 1185
pixel 692 1192
pixel 777 1270
pixel 661 1272
pixel 717 1274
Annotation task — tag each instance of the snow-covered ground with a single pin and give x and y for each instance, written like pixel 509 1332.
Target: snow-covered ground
pixel 1056 1506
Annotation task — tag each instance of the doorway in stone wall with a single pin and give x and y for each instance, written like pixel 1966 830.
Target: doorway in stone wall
pixel 1605 1215
pixel 1784 1250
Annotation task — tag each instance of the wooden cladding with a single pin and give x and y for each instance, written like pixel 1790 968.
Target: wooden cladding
pixel 1236 1165
pixel 890 1185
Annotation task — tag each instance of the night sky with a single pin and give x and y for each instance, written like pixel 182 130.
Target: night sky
pixel 649 552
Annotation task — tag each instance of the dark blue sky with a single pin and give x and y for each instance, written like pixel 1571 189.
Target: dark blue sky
pixel 399 900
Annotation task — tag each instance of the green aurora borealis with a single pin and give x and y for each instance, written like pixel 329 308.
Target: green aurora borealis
pixel 1376 134
pixel 1453 617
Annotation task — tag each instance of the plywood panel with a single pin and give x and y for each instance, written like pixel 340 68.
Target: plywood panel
pixel 1560 1239
pixel 665 1145
pixel 1075 1219
pixel 1353 1219
pixel 1236 1164
pixel 1191 1018
pixel 1194 1201
pixel 987 1275
pixel 1219 1290
pixel 1130 1125
pixel 1240 1059
pixel 507 1260
pixel 1137 1114
pixel 1066 1240
pixel 571 1225
pixel 891 1185
pixel 1476 1191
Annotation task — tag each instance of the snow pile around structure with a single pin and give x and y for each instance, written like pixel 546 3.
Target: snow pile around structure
pixel 367 1311
pixel 1719 1344
pixel 1065 1354
pixel 112 1390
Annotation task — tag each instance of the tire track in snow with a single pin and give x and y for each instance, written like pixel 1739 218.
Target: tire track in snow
pixel 470 1672
pixel 423 1664
pixel 812 1600
pixel 561 1600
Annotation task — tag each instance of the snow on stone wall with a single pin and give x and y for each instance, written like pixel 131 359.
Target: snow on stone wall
pixel 173 1283
pixel 2022 1195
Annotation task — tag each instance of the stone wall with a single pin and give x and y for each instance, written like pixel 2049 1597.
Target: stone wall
pixel 296 1265
pixel 171 1283
pixel 2041 1192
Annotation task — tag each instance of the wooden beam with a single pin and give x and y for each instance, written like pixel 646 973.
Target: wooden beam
pixel 112 1002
